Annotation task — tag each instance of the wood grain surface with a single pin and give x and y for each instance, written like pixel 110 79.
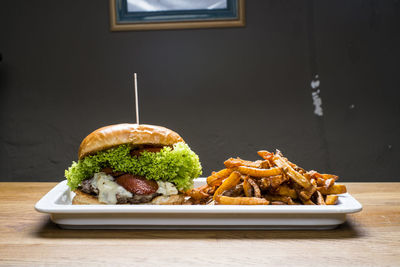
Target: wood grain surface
pixel 368 238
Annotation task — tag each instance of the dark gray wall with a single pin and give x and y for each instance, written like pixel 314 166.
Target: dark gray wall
pixel 228 92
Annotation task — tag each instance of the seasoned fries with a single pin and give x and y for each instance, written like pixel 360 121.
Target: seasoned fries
pixel 271 181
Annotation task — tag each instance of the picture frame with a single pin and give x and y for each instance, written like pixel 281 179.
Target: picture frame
pixel 123 18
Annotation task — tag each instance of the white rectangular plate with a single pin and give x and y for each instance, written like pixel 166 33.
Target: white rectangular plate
pixel 57 203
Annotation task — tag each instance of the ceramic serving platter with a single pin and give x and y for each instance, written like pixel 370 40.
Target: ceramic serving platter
pixel 57 203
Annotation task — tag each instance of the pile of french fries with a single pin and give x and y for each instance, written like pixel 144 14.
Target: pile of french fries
pixel 274 180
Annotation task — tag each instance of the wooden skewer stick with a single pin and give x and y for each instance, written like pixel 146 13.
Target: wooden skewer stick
pixel 136 98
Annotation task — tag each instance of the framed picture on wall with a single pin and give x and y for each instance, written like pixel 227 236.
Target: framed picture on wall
pixel 130 15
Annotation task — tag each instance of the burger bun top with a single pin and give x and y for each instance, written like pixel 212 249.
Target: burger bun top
pixel 127 133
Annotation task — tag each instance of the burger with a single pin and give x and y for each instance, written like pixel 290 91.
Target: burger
pixel 132 164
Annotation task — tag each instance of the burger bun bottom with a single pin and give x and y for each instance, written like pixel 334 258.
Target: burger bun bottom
pixel 82 198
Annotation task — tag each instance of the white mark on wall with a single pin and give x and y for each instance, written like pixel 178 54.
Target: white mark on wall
pixel 317 101
pixel 352 106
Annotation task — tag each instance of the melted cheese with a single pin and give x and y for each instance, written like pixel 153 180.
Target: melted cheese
pixel 166 188
pixel 108 189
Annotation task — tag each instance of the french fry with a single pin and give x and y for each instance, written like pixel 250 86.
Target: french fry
pixel 265 164
pixel 276 180
pixel 307 193
pixel 308 202
pixel 329 182
pixel 272 182
pixel 248 190
pixel 256 189
pixel 210 190
pixel 217 177
pixel 224 200
pixel 231 163
pixel 334 189
pixel 229 182
pixel 254 172
pixel 294 166
pixel 315 175
pixel 320 199
pixel 331 199
pixel 326 183
pixel 278 203
pixel 285 199
pixel 265 184
pixel 320 182
pixel 284 190
pixel 313 181
pixel 330 176
pixel 198 193
pixel 265 154
pixel 268 156
pixel 297 177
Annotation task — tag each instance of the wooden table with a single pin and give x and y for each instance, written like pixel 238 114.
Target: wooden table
pixel 368 238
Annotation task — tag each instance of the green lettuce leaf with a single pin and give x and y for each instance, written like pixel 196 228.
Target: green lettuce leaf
pixel 179 165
